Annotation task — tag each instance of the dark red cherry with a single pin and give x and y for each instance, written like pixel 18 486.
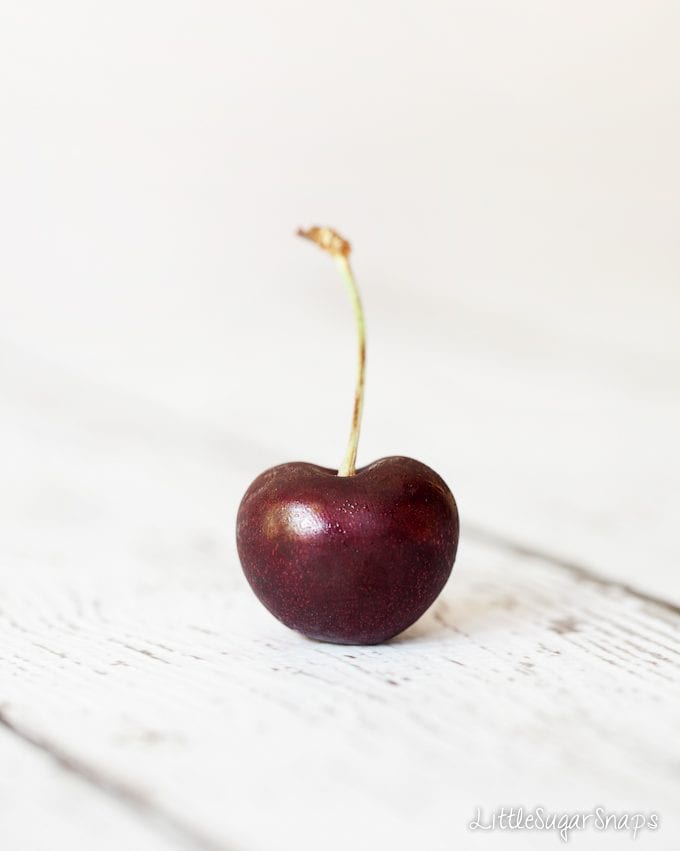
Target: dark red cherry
pixel 349 556
pixel 348 559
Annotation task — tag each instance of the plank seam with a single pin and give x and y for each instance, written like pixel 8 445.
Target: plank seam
pixel 126 795
pixel 579 571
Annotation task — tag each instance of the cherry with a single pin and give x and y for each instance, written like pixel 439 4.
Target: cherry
pixel 351 556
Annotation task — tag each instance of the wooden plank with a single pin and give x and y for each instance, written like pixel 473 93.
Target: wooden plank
pixel 42 805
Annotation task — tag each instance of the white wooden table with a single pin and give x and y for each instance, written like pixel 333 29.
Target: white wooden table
pixel 508 174
pixel 148 701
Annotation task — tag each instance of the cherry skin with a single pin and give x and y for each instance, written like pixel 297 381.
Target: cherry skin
pixel 348 559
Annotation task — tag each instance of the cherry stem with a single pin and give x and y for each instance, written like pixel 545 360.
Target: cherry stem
pixel 339 249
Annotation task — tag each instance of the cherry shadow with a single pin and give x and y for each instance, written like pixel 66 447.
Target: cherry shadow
pixel 464 612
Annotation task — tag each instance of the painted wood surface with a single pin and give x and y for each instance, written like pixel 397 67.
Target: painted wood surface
pixel 155 701
pixel 45 803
